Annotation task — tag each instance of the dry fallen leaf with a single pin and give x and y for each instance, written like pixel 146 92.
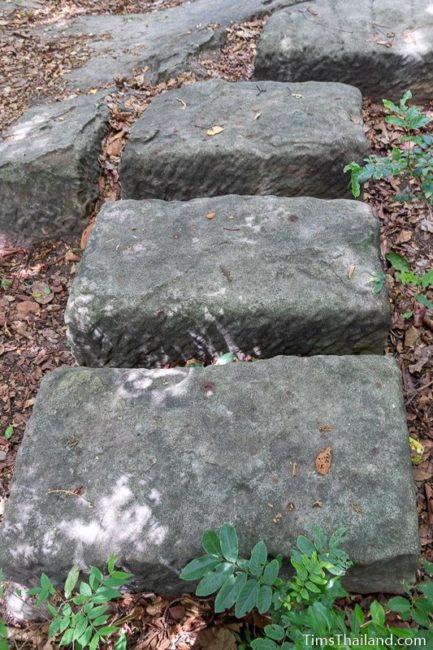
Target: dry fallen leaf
pixel 411 336
pixel 325 428
pixel 86 234
pixel 216 638
pixel 214 130
pixel 42 293
pixel 426 225
pixel 27 307
pixel 351 271
pixel 404 236
pixel 324 461
pixel 71 257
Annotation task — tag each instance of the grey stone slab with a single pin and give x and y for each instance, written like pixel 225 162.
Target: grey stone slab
pixel 164 42
pixel 10 5
pixel 281 139
pixel 383 47
pixel 161 283
pixel 49 167
pixel 162 455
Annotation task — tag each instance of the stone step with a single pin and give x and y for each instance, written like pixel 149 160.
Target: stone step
pixel 280 139
pixel 143 461
pixel 49 167
pixel 384 48
pixel 162 282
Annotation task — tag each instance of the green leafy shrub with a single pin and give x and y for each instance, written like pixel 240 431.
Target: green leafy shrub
pixel 411 160
pixel 79 617
pixel 302 609
pixel 408 277
pixel 3 627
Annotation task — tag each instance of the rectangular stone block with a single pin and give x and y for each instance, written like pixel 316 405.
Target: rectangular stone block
pixel 162 282
pixel 141 462
pixel 49 167
pixel 213 138
pixel 383 47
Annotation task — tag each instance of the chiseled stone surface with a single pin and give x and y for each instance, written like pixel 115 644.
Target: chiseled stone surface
pixel 49 167
pixel 161 283
pixel 280 139
pixel 165 42
pixel 161 455
pixel 384 47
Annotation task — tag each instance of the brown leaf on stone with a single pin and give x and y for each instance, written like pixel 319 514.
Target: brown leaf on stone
pixel 86 234
pixel 351 271
pixel 324 461
pixel 215 130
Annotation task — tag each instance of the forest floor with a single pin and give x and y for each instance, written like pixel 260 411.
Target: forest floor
pixel 35 278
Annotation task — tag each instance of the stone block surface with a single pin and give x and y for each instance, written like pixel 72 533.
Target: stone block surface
pixel 154 457
pixel 383 47
pixel 161 283
pixel 272 138
pixel 49 167
pixel 165 42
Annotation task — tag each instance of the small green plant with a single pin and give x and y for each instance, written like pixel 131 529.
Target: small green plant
pixel 411 160
pixel 3 627
pixel 79 618
pixel 378 280
pixel 408 277
pixel 302 608
pixel 9 432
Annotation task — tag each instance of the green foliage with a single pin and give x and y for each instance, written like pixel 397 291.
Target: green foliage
pixel 9 432
pixel 408 277
pixel 303 607
pixel 3 627
pixel 410 160
pixel 80 615
pixel 378 280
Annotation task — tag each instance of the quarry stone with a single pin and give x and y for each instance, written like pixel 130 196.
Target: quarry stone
pixel 155 457
pixel 162 43
pixel 49 167
pixel 163 282
pixel 214 137
pixel 384 47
